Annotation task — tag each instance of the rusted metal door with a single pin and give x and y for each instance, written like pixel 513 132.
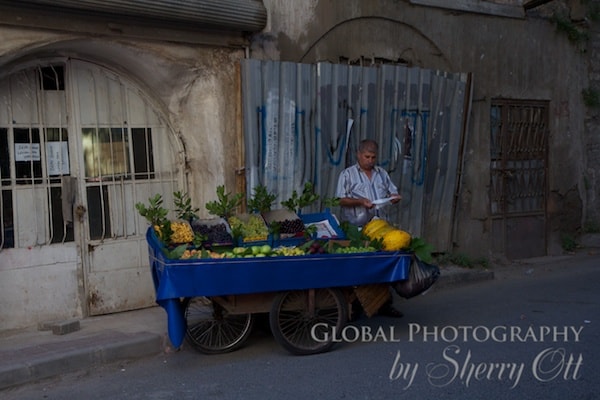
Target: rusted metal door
pixel 519 164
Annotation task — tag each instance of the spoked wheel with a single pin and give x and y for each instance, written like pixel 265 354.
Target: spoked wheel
pixel 212 330
pixel 303 321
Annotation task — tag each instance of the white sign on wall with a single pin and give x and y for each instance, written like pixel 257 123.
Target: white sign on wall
pixel 57 155
pixel 27 152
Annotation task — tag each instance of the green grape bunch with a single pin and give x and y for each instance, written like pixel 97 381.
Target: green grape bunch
pixel 251 230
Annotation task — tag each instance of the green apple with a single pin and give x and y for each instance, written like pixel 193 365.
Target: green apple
pixel 239 250
pixel 265 249
pixel 256 250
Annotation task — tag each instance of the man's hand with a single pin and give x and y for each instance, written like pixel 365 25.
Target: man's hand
pixel 366 203
pixel 395 198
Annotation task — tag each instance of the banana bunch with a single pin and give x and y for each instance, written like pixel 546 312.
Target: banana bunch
pixel 182 232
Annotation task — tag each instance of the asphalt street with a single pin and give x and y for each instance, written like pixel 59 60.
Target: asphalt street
pixel 533 332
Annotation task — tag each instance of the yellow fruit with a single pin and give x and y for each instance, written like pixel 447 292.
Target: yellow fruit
pixel 396 239
pixel 182 232
pixel 374 225
pixel 379 233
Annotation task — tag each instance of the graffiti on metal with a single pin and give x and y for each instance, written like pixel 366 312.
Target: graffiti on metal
pixel 303 122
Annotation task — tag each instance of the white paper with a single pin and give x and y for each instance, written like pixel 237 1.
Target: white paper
pixel 324 229
pixel 27 152
pixel 57 156
pixel 382 201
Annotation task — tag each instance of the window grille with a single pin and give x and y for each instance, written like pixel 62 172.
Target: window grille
pixel 518 156
pixel 96 136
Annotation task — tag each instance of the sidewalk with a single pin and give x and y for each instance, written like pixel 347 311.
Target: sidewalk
pixel 31 355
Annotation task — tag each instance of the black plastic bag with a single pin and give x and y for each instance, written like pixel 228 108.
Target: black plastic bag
pixel 420 278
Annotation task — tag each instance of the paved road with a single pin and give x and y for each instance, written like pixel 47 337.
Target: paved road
pixel 532 333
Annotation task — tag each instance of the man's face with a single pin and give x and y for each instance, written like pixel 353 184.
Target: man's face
pixel 366 160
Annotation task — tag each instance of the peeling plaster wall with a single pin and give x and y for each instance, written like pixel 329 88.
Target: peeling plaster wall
pixel 196 88
pixel 211 139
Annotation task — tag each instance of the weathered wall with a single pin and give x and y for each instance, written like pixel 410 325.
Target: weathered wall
pixel 509 58
pixel 592 136
pixel 195 86
pixel 39 285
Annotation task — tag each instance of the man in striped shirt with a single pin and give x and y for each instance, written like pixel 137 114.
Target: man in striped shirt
pixel 358 187
pixel 361 184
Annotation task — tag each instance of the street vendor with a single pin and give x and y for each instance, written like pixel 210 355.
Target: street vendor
pixel 358 187
pixel 363 183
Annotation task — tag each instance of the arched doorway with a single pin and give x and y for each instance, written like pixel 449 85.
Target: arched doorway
pixel 80 145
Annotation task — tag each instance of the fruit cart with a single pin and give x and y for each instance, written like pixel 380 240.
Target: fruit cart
pixel 213 302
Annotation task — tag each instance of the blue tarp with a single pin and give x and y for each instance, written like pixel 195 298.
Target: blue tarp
pixel 175 279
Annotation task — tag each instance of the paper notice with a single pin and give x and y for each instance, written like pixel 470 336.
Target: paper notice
pixel 324 229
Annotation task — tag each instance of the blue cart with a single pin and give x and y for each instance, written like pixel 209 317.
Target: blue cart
pixel 213 302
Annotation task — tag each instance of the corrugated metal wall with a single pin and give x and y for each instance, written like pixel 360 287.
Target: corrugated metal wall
pixel 303 122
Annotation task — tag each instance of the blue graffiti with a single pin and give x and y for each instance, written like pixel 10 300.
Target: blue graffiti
pixel 418 178
pixel 402 138
pixel 339 150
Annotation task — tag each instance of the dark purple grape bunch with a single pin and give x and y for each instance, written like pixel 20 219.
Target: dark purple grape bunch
pixel 215 233
pixel 291 226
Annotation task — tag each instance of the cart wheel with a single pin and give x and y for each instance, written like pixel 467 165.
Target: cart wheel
pixel 212 330
pixel 302 321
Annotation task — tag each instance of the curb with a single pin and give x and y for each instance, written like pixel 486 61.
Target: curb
pixel 45 361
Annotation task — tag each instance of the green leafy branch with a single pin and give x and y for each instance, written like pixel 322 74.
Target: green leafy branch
pixel 154 213
pixel 310 231
pixel 421 249
pixel 184 209
pixel 357 238
pixel 261 199
pixel 226 204
pixel 297 202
